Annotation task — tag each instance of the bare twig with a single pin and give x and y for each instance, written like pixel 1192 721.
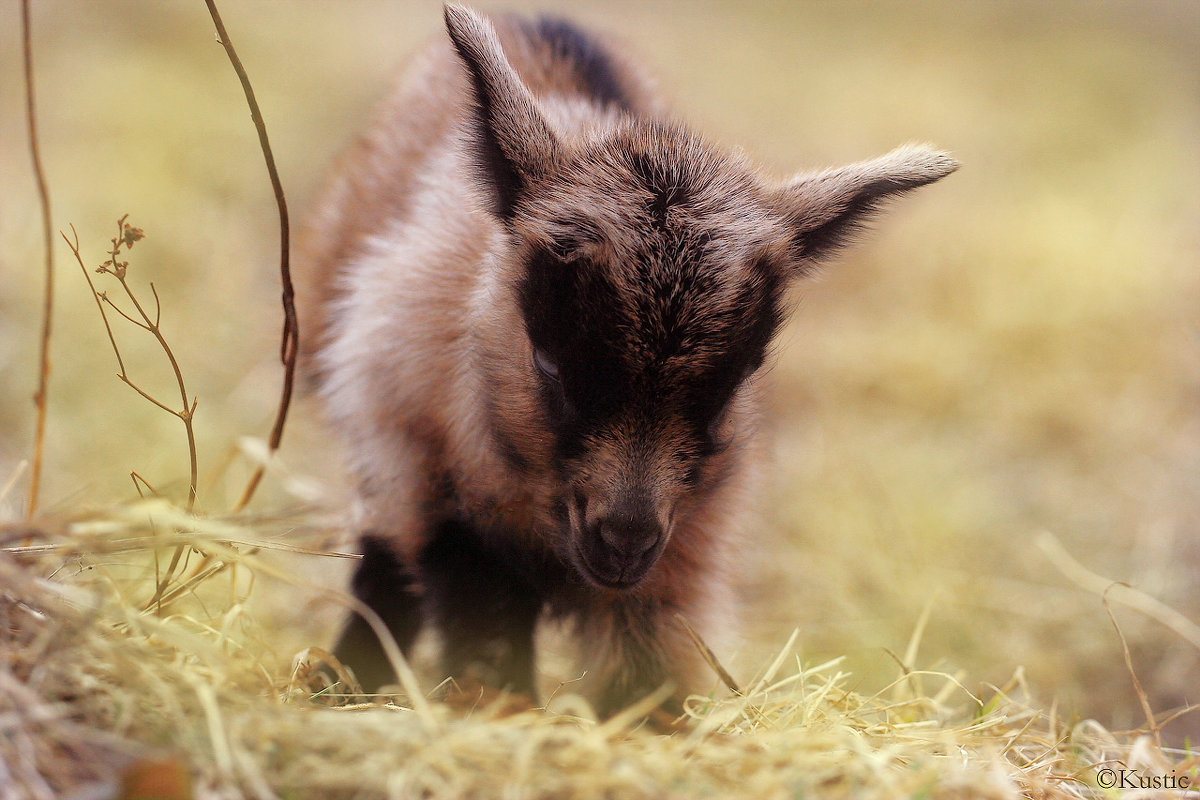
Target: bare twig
pixel 39 399
pixel 126 236
pixel 74 245
pixel 291 328
pixel 139 482
pixel 1153 726
pixel 709 656
pixel 188 409
pixel 157 304
pixel 1122 593
pixel 104 296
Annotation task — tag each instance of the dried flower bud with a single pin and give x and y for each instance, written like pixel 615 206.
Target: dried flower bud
pixel 131 234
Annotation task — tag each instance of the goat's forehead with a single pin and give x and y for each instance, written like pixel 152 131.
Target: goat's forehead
pixel 622 218
pixel 686 271
pixel 640 179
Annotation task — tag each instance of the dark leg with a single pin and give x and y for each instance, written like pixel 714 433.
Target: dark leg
pixel 383 583
pixel 485 603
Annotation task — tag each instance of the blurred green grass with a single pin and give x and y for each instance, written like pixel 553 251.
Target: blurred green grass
pixel 1013 350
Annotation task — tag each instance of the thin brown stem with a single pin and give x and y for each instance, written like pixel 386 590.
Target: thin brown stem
pixel 162 584
pixel 709 656
pixel 104 296
pixel 187 421
pixel 188 408
pixel 1153 727
pixel 126 380
pixel 139 482
pixel 291 328
pixel 157 304
pixel 117 268
pixel 185 412
pixel 39 399
pixel 95 295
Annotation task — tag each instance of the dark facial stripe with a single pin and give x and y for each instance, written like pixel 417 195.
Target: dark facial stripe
pixel 569 312
pixel 656 352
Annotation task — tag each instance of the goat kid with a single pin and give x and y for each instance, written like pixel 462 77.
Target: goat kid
pixel 536 310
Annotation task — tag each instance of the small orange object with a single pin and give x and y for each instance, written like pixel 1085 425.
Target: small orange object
pixel 156 779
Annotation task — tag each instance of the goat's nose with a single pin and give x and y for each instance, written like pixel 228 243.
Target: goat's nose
pixel 630 538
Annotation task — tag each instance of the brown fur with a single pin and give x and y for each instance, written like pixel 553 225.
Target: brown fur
pixel 524 184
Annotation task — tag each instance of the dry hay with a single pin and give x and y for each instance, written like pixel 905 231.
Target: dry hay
pixel 103 694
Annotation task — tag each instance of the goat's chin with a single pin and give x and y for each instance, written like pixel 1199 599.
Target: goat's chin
pixel 599 581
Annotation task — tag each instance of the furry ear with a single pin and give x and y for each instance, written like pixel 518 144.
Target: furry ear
pixel 826 208
pixel 514 143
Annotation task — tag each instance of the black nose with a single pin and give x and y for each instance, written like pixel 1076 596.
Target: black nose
pixel 618 548
pixel 629 537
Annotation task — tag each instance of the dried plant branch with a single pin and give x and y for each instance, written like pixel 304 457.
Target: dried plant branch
pixel 139 482
pixel 1151 725
pixel 39 398
pixel 125 238
pixel 1136 599
pixel 157 304
pixel 291 328
pixel 125 379
pixel 74 245
pixel 104 296
pixel 709 656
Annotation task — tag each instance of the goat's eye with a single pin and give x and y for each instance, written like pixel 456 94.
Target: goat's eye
pixel 545 365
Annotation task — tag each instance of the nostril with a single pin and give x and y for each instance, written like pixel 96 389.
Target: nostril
pixel 645 546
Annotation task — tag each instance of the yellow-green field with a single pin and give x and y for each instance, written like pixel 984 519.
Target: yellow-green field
pixel 999 386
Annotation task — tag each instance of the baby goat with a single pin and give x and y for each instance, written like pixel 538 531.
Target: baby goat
pixel 536 311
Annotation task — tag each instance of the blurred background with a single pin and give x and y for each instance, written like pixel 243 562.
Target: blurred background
pixel 1012 352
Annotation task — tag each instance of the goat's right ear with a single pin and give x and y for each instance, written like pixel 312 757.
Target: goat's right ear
pixel 825 209
pixel 514 143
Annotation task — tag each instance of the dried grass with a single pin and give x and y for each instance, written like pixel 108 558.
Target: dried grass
pixel 97 694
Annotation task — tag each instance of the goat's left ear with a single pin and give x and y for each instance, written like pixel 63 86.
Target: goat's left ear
pixel 825 209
